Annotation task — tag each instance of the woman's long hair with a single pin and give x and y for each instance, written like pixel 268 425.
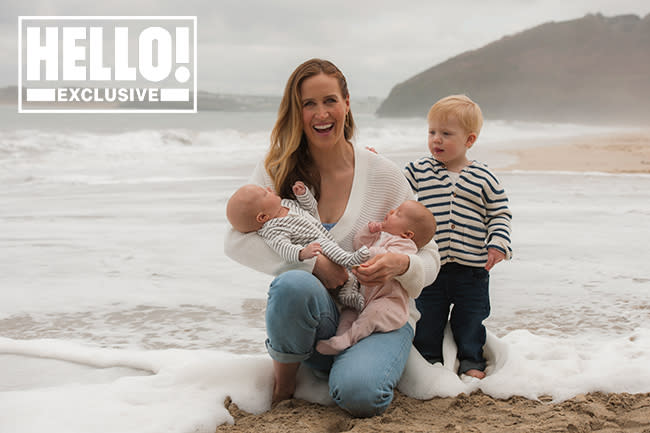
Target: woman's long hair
pixel 288 159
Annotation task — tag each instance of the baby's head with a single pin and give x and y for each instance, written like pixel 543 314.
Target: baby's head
pixel 411 220
pixel 251 206
pixel 465 111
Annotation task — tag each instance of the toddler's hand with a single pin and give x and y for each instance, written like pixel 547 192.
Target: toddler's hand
pixel 311 250
pixel 299 188
pixel 494 257
pixel 375 227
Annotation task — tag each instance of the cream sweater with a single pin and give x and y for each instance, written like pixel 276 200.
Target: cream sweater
pixel 378 187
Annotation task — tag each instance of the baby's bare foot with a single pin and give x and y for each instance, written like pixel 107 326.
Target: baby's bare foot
pixel 334 345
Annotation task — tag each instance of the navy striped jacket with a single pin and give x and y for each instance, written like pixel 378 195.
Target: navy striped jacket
pixel 472 215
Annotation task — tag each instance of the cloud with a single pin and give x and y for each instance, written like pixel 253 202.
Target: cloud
pixel 252 46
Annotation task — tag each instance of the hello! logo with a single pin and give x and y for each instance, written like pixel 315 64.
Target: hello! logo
pixel 107 64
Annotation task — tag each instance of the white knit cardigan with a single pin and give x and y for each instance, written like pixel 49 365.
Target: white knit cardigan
pixel 378 187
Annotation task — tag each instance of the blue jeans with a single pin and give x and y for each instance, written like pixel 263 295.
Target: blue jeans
pixel 300 312
pixel 466 287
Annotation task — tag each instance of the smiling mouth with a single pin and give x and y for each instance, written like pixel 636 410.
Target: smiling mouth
pixel 324 128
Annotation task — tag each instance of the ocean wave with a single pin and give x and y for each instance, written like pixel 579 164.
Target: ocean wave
pixel 388 135
pixel 29 156
pixel 105 180
pixel 33 143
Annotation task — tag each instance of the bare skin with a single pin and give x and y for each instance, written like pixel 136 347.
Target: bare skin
pixel 311 250
pixel 285 381
pixel 475 373
pixel 494 257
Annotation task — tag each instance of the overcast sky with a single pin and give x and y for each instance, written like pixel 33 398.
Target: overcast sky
pixel 252 46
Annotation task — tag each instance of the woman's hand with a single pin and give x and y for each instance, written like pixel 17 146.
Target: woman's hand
pixel 381 268
pixel 329 273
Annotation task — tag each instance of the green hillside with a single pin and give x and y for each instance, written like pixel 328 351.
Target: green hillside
pixel 593 69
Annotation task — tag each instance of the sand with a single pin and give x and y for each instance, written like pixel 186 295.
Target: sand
pixel 627 152
pixel 597 412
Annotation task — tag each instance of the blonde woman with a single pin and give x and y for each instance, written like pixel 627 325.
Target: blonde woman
pixel 311 141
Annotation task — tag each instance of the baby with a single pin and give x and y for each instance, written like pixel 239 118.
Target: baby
pixel 292 228
pixel 404 231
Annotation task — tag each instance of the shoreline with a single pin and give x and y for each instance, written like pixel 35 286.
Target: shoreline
pixel 627 152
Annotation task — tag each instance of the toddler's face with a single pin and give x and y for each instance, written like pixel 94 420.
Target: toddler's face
pixel 448 141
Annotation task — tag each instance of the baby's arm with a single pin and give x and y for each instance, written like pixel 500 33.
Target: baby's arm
pixel 389 243
pixel 306 199
pixel 366 236
pixel 338 255
pixel 311 250
pixel 398 244
pixel 279 238
pixel 299 188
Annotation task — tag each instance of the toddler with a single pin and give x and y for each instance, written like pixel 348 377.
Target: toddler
pixel 471 210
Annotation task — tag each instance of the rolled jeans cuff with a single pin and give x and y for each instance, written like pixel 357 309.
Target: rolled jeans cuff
pixel 286 358
pixel 466 365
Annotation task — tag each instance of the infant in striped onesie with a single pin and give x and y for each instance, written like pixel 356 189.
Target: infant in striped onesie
pixel 293 229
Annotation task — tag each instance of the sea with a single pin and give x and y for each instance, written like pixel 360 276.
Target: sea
pixel 119 311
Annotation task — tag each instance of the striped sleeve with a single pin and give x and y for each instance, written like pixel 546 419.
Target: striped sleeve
pixel 308 203
pixel 498 215
pixel 409 173
pixel 278 237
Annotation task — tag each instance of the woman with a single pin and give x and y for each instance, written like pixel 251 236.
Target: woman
pixel 311 142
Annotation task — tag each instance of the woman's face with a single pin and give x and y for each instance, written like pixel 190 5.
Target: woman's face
pixel 323 111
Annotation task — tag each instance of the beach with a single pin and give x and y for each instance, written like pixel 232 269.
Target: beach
pixel 477 412
pixel 628 152
pixel 119 311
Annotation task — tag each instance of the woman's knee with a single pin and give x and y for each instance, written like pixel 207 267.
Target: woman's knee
pixel 363 378
pixel 360 394
pixel 291 288
pixel 298 297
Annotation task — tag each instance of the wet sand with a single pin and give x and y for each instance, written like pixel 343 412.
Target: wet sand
pixel 597 412
pixel 628 152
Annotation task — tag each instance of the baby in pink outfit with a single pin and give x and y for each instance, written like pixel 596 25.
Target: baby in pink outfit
pixel 404 231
